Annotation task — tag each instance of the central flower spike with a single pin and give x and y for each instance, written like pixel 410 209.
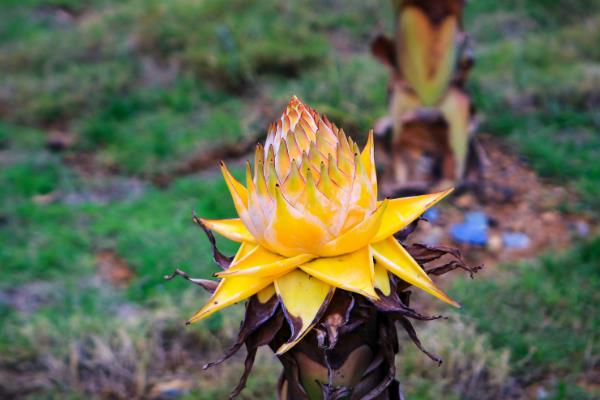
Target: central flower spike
pixel 310 223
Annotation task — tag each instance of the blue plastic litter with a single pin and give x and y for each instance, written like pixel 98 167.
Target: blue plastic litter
pixel 474 229
pixel 515 240
pixel 432 214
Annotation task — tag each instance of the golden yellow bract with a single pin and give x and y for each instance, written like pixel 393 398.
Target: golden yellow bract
pixel 309 222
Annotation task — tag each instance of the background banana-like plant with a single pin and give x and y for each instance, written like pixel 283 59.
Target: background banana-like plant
pixel 431 119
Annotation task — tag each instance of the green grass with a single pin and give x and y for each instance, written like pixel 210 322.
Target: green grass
pixel 494 21
pixel 350 91
pixel 535 84
pixel 544 312
pixel 152 130
pixel 541 94
pixel 558 291
pixel 153 233
pixel 58 304
pixel 144 86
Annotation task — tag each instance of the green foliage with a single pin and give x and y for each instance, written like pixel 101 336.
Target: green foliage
pixel 144 85
pixel 542 95
pixel 234 43
pixel 31 178
pixel 543 311
pixel 152 129
pixel 472 367
pixel 159 227
pixel 494 20
pixel 64 95
pixel 18 139
pixel 49 241
pixel 351 92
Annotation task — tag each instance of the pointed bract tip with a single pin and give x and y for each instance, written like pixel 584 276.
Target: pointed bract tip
pixel 446 192
pixel 439 196
pixel 195 318
pixel 444 297
pixel 294 101
pixel 284 348
pixel 371 296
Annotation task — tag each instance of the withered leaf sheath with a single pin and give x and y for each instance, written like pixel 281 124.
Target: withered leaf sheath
pixel 350 351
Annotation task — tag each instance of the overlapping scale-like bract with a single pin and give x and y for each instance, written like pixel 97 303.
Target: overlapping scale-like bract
pixel 310 224
pixel 310 184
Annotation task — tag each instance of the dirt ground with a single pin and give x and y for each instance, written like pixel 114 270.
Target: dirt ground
pixel 515 200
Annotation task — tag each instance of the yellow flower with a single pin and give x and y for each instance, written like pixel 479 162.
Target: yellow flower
pixel 309 222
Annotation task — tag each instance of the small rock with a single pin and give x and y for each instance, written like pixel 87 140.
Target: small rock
pixel 515 240
pixel 432 214
pixel 113 268
pixel 106 192
pixel 473 230
pixel 581 228
pixel 59 140
pixel 541 393
pixel 433 237
pixel 29 297
pixel 477 218
pixel 43 199
pixel 465 201
pixel 172 389
pixel 4 300
pixel 550 216
pixel 495 243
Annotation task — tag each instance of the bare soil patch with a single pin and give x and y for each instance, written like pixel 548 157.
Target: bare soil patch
pixel 515 200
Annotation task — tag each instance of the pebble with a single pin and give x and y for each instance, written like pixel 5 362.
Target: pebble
pixel 172 389
pixel 474 229
pixel 465 201
pixel 433 237
pixel 581 228
pixel 432 214
pixel 515 240
pixel 495 243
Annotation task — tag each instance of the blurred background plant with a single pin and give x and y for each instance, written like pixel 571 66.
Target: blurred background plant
pixel 111 110
pixel 427 137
